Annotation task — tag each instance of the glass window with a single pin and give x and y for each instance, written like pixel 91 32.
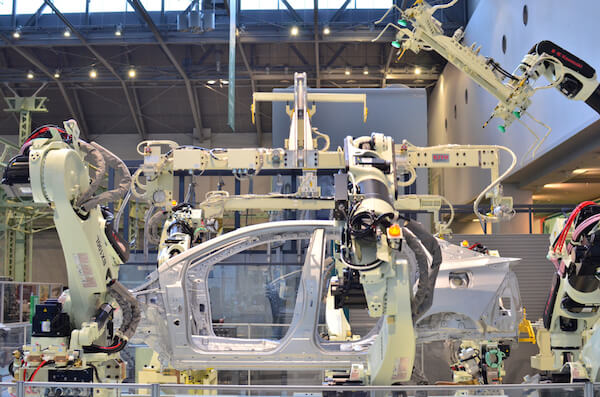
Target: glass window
pixel 152 5
pixel 27 6
pixel 109 6
pixel 260 5
pixel 309 4
pixel 5 7
pixel 176 5
pixel 66 6
pixel 377 4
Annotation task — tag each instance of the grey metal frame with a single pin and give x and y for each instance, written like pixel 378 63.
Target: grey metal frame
pixel 155 389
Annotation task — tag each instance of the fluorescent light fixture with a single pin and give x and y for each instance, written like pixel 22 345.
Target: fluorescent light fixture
pixel 580 171
pixel 553 185
pixel 211 82
pixel 225 82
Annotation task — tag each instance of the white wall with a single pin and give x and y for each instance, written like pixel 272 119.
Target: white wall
pixel 568 24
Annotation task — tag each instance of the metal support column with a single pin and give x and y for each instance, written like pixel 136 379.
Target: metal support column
pixel 238 190
pixel 25 105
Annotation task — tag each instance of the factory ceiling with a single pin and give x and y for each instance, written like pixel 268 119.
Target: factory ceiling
pixel 159 72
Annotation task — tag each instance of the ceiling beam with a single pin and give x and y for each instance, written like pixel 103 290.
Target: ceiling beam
pixel 292 11
pixel 339 12
pixel 335 56
pixel 139 8
pixel 205 54
pixel 336 74
pixel 266 35
pixel 42 68
pixel 32 19
pixel 296 51
pixel 257 120
pixel 104 62
pixel 316 33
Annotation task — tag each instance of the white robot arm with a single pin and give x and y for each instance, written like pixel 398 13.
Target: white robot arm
pixel 568 341
pixel 573 77
pixel 73 338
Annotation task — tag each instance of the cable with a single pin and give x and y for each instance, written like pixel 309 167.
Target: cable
pixel 42 364
pixel 411 179
pixel 559 76
pixel 95 372
pixel 449 222
pixel 324 137
pixel 116 347
pixel 495 183
pixel 496 66
pixel 442 6
pixel 539 142
pixel 562 237
pixel 363 268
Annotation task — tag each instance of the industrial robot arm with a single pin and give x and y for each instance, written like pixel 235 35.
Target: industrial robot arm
pixel 568 341
pixel 73 338
pixel 570 75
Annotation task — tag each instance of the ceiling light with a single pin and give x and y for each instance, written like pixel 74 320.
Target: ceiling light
pixel 93 73
pixel 294 31
pixel 30 75
pixel 225 82
pixel 347 71
pixel 580 171
pixel 417 70
pixel 57 74
pixel 552 185
pixel 475 220
pixel 67 32
pixel 131 73
pixel 326 30
pixel 17 33
pixel 119 30
pixel 211 82
pixel 365 70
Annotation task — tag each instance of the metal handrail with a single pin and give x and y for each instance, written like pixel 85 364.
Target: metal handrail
pixel 533 386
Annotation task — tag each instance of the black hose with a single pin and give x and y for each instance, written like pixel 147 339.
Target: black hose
pixel 118 345
pixel 423 266
pixel 432 246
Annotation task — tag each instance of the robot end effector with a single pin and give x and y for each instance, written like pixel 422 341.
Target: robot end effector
pixel 574 78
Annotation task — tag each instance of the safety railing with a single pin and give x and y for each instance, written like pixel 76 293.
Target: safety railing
pixel 25 389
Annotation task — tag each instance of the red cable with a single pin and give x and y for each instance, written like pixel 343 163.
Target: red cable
pixel 563 234
pixel 111 347
pixel 36 370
